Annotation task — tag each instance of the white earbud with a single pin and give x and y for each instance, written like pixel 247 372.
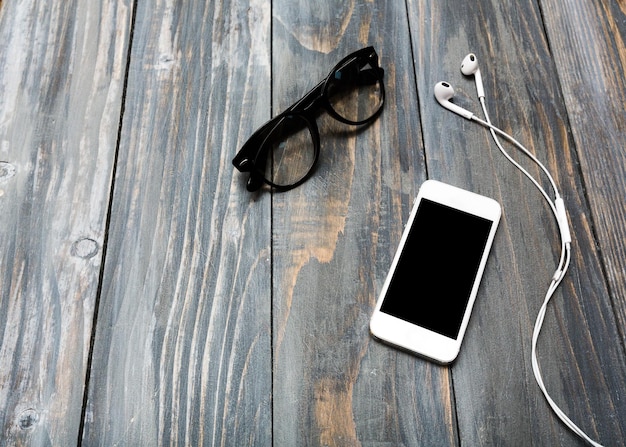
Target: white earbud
pixel 469 66
pixel 443 94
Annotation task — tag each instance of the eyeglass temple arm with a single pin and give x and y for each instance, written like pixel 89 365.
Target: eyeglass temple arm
pixel 364 74
pixel 255 181
pixel 243 160
pixel 308 101
pixel 370 76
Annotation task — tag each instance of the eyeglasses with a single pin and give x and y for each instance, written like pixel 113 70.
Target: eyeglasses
pixel 352 93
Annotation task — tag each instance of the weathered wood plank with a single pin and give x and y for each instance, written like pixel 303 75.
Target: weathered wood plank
pixel 333 241
pixel 62 66
pixel 589 50
pixel 182 353
pixel 202 280
pixel 498 402
pixel 587 43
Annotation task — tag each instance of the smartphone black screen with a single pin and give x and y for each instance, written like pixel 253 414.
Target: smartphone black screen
pixel 433 279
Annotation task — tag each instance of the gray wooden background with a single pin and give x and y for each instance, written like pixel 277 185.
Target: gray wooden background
pixel 146 298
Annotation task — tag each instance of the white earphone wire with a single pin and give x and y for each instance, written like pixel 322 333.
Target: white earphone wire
pixel 494 131
pixel 559 274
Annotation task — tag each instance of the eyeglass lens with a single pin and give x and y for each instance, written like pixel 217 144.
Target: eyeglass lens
pixel 292 151
pixel 354 91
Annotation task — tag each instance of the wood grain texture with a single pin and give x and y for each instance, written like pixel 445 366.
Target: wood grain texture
pixel 333 241
pixel 61 78
pixel 524 98
pixel 220 317
pixel 594 91
pixel 182 349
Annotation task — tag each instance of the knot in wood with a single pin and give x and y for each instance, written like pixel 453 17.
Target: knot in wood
pixel 28 419
pixel 85 248
pixel 7 170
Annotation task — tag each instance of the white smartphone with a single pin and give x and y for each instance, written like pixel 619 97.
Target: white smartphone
pixel 426 301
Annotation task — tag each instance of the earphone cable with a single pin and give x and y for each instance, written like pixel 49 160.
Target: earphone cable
pixel 560 220
pixel 535 362
pixel 494 130
pixel 521 147
pixel 559 212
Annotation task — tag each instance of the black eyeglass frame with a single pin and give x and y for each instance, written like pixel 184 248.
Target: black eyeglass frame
pixel 252 157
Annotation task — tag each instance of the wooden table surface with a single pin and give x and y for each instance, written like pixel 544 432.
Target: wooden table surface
pixel 146 298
